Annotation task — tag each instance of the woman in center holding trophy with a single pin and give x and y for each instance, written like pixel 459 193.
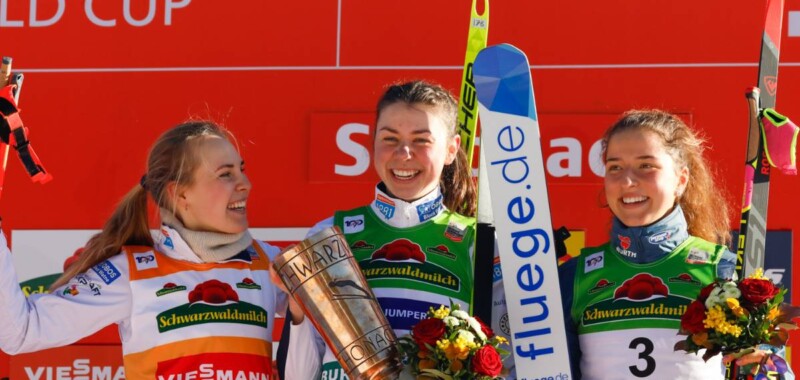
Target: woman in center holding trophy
pixel 413 242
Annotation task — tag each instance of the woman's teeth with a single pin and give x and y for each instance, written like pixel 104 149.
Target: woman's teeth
pixel 237 205
pixel 629 200
pixel 404 174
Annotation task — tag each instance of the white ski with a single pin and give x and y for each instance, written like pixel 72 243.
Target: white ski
pixel 511 143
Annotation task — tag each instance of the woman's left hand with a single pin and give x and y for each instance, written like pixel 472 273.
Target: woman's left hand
pixel 752 356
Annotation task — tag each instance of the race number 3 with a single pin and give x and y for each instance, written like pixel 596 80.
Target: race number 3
pixel 644 354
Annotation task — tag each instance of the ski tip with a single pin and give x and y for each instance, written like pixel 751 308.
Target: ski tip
pixel 503 80
pixel 480 8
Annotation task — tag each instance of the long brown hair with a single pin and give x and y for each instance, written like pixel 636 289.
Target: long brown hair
pixel 704 203
pixel 171 159
pixel 456 184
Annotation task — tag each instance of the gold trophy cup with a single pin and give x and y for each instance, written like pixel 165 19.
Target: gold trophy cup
pixel 323 277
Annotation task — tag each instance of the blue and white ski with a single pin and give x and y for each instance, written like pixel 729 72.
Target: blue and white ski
pixel 511 144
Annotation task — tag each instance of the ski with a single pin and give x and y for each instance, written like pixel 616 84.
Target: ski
pixel 10 87
pixel 467 102
pixel 752 237
pixel 514 167
pixel 751 243
pixel 6 78
pixel 481 303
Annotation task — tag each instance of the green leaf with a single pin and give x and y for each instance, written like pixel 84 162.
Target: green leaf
pixel 779 297
pixel 436 373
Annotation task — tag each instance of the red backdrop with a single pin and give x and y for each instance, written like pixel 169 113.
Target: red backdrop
pixel 287 76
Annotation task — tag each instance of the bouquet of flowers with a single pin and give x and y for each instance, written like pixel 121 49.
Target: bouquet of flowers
pixel 733 317
pixel 450 344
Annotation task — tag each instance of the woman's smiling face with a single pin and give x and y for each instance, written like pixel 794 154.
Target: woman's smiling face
pixel 642 180
pixel 412 146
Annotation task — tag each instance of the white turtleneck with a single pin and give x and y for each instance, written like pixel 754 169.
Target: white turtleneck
pixel 397 212
pixel 198 246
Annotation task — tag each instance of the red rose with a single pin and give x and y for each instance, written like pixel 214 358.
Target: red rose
pixel 487 362
pixel 757 291
pixel 427 331
pixel 692 320
pixel 485 329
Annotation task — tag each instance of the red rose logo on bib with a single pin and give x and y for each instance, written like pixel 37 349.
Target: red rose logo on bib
pixel 213 292
pixel 642 287
pixel 399 250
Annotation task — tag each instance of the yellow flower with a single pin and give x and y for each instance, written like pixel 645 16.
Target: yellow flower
pixel 757 274
pixel 441 312
pixel 733 304
pixel 501 339
pixel 713 316
pixel 773 313
pixel 453 350
pixel 715 319
pixel 462 341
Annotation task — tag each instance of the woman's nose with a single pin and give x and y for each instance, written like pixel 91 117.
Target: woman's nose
pixel 244 183
pixel 403 151
pixel 629 178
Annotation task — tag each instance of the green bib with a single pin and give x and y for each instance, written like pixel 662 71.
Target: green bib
pixel 614 294
pixel 430 257
pixel 409 269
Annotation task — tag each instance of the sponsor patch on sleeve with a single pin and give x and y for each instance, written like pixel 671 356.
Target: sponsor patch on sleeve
pixel 107 272
pixel 353 224
pixel 145 260
pixel 593 262
pixel 86 282
pixel 455 232
pixel 497 271
pixel 698 256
